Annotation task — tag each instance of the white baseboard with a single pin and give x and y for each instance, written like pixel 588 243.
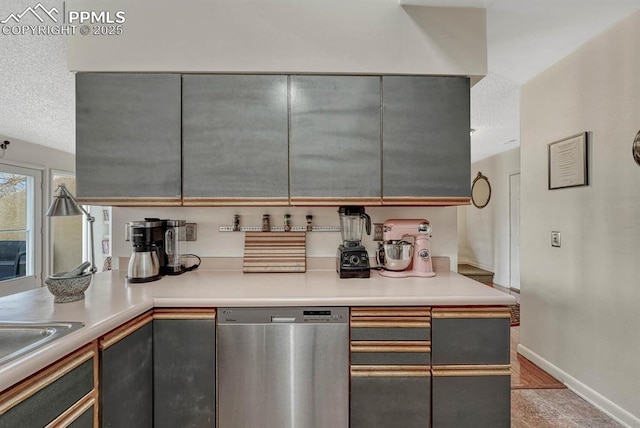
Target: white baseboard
pixel 599 401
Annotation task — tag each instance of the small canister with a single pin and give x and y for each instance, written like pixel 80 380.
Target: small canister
pixel 287 222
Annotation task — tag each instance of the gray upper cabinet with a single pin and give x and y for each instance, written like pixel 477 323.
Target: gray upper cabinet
pixel 235 147
pixel 335 139
pixel 426 144
pixel 128 144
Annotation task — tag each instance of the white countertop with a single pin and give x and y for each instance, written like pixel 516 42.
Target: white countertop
pixel 110 301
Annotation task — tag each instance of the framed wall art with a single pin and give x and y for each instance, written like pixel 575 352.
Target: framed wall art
pixel 568 162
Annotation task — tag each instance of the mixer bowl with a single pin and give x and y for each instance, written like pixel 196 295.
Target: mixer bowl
pixel 397 255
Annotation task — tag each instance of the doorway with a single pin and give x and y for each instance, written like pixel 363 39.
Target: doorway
pixel 20 229
pixel 514 232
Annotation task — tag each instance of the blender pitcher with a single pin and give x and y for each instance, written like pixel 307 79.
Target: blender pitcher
pixel 173 246
pixel 352 220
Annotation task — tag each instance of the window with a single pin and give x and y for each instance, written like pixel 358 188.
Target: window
pixel 20 229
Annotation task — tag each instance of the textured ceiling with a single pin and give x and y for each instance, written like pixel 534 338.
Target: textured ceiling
pixel 37 95
pixel 524 37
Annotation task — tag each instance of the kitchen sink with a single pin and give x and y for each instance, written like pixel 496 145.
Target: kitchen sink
pixel 18 338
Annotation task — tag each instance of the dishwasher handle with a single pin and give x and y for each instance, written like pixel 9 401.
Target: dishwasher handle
pixel 282 320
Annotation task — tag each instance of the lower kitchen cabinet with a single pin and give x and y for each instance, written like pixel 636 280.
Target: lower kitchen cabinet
pixel 126 375
pixel 471 396
pixel 64 394
pixel 184 368
pixel 390 396
pixel 470 335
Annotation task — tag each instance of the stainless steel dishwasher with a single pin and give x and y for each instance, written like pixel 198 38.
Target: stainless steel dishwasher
pixel 283 367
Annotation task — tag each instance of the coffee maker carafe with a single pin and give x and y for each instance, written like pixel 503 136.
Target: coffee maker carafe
pixel 352 260
pixel 144 263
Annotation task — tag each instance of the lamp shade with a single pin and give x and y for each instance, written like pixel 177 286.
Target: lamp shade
pixel 63 206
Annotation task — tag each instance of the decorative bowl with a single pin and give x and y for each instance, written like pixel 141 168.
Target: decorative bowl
pixel 68 289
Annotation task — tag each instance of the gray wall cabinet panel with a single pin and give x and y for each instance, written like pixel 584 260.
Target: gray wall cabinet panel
pixel 235 141
pixel 470 341
pixel 126 381
pixel 184 373
pixel 386 402
pixel 128 135
pixel 50 402
pixel 426 144
pixel 381 333
pixel 471 401
pixel 390 358
pixel 335 136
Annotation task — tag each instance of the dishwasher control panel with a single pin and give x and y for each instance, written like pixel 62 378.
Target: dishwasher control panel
pixel 283 315
pixel 319 316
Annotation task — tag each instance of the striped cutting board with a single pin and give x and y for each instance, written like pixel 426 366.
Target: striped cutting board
pixel 275 252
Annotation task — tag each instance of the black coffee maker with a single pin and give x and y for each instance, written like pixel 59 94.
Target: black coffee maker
pixel 148 257
pixel 352 260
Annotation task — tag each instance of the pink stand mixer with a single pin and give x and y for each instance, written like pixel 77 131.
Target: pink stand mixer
pixel 401 258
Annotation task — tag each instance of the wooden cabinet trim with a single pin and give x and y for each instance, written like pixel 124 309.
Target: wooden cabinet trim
pixel 42 379
pixel 332 201
pixel 184 314
pixel 425 201
pixel 390 371
pixel 391 322
pixel 132 202
pixel 391 346
pixel 390 312
pixel 75 411
pixel 223 202
pixel 481 312
pixel 123 331
pixel 471 370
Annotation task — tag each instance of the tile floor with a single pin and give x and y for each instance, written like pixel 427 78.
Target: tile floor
pixel 555 408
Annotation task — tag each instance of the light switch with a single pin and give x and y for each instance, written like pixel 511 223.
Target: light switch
pixel 555 239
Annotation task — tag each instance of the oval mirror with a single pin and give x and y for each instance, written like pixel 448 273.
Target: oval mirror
pixel 636 148
pixel 480 191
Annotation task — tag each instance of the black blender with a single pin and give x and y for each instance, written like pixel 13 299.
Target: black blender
pixel 353 260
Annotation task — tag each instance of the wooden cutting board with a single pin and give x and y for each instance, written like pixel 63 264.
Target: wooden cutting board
pixel 275 252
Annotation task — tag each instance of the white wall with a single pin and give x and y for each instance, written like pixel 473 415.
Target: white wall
pixel 212 243
pixel 580 316
pixel 483 237
pixel 332 36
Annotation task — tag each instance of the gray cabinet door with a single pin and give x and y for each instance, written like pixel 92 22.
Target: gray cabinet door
pixel 470 341
pixel 471 401
pixel 235 138
pixel 184 360
pixel 128 142
pixel 126 381
pixel 335 137
pixel 426 145
pixel 389 402
pixel 51 401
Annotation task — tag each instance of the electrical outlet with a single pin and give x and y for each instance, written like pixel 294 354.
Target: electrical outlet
pixel 192 232
pixel 377 231
pixel 555 239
